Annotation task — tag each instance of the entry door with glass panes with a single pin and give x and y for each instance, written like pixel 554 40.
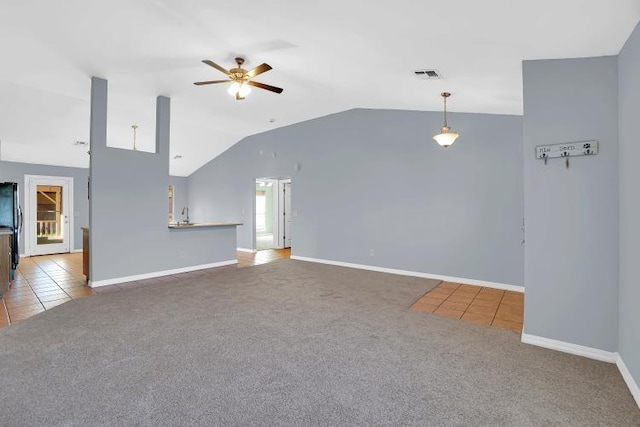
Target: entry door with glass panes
pixel 49 216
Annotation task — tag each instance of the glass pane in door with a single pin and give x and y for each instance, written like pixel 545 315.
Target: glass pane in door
pixel 49 215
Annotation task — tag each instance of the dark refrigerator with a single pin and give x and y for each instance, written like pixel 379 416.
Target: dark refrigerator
pixel 11 217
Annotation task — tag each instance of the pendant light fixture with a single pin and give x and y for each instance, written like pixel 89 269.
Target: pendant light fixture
pixel 135 128
pixel 445 138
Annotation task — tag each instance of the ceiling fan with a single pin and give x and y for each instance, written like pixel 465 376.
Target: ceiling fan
pixel 240 78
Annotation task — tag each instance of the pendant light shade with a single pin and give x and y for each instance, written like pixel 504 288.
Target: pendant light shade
pixel 446 137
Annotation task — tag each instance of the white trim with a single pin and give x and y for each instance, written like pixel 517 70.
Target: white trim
pixel 566 347
pixel 74 251
pixel 154 274
pixel 631 383
pixel 278 207
pixel 591 353
pixel 25 216
pixel 486 284
pixel 253 251
pixel 71 214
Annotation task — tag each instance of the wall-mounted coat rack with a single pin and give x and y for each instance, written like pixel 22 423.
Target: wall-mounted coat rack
pixel 566 150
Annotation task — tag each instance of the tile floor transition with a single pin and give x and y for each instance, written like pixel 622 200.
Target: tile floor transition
pixel 475 304
pixel 44 282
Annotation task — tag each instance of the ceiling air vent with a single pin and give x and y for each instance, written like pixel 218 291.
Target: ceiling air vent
pixel 428 74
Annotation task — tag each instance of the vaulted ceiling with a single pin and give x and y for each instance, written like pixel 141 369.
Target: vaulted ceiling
pixel 329 56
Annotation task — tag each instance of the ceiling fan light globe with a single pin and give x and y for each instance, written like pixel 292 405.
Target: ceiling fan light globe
pixel 244 90
pixel 241 89
pixel 233 89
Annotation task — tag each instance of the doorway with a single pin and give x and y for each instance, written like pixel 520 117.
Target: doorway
pixel 265 213
pixel 48 215
pixel 273 214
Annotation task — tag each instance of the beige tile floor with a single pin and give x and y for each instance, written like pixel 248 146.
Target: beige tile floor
pixel 475 304
pixel 44 282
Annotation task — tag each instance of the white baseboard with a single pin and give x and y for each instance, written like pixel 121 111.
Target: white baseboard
pixel 565 347
pixel 72 251
pixel 253 251
pixel 631 383
pixel 486 284
pixel 154 274
pixel 591 353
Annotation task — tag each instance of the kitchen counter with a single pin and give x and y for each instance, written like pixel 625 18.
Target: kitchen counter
pixel 177 226
pixel 5 231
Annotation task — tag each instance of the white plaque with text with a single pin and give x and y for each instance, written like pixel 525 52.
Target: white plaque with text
pixel 570 149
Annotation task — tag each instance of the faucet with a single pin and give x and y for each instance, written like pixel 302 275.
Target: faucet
pixel 186 208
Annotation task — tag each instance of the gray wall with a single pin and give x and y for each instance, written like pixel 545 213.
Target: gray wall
pixel 629 112
pixel 15 172
pixel 128 206
pixel 571 257
pixel 375 179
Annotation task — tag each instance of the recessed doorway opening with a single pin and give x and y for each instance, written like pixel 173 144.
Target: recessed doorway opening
pixel 265 215
pixel 273 218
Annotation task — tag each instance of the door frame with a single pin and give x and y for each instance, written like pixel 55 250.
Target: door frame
pixel 27 224
pixel 282 227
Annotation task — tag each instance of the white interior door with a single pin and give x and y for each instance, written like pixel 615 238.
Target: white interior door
pixel 50 215
pixel 287 214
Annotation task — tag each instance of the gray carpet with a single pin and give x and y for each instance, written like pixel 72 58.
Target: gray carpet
pixel 289 343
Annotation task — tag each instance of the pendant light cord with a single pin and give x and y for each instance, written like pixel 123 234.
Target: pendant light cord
pixel 135 127
pixel 445 112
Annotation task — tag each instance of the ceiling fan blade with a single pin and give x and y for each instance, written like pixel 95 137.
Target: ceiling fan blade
pixel 216 66
pixel 211 82
pixel 259 70
pixel 264 86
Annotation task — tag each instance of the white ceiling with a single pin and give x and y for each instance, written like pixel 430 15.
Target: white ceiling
pixel 329 56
